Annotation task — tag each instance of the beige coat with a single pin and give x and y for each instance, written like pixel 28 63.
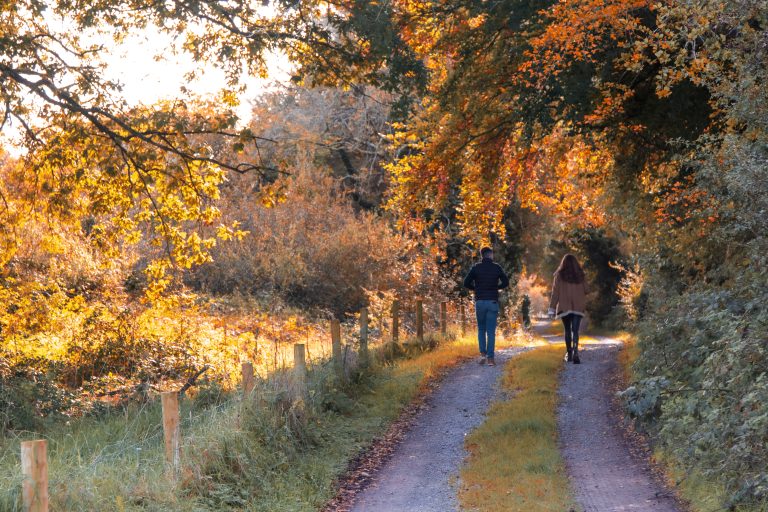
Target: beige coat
pixel 568 297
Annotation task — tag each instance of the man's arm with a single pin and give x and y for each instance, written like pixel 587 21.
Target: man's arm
pixel 504 279
pixel 469 281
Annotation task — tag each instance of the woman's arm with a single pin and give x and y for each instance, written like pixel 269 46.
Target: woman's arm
pixel 555 297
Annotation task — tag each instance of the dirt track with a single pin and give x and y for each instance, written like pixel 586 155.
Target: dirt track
pixel 604 469
pixel 607 472
pixel 421 476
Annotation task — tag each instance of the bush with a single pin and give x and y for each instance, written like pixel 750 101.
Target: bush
pixel 704 335
pixel 313 250
pixel 30 399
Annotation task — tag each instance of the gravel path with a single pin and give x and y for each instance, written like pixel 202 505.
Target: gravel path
pixel 422 474
pixel 605 474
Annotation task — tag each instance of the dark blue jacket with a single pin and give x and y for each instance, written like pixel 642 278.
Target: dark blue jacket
pixel 486 279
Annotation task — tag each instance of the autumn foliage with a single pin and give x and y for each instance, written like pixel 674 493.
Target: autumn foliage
pixel 645 120
pixel 144 242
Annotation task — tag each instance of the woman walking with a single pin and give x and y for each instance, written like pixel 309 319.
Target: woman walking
pixel 568 302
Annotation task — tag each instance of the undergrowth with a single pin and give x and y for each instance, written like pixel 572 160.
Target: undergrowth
pixel 278 450
pixel 702 492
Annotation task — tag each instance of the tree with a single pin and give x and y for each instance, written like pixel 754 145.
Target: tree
pixel 151 171
pixel 648 117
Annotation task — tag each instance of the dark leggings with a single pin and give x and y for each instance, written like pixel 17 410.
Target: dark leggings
pixel 571 323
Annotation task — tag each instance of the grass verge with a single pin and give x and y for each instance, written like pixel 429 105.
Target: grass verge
pixel 272 454
pixel 514 462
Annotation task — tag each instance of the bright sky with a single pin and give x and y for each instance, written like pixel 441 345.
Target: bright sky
pixel 147 79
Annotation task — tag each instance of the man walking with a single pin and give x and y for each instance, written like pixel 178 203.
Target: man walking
pixel 486 279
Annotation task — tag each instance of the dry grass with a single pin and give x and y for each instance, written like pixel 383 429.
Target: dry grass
pixel 514 462
pixel 232 460
pixel 628 354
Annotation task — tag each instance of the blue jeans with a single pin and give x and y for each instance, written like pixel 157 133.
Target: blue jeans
pixel 487 312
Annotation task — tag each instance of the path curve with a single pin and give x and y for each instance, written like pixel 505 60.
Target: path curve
pixel 604 473
pixel 422 474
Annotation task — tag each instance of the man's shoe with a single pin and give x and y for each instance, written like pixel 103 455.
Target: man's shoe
pixel 576 358
pixel 483 360
pixel 491 362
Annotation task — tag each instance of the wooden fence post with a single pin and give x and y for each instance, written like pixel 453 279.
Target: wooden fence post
pixel 300 367
pixel 395 321
pixel 338 361
pixel 420 321
pixel 171 429
pixel 248 381
pixel 364 335
pixel 463 320
pixel 443 318
pixel 34 468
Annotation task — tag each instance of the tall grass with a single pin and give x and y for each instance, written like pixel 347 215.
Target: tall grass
pixel 276 451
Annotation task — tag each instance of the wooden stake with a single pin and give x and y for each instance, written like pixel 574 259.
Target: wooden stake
pixel 34 468
pixel 300 366
pixel 171 429
pixel 443 318
pixel 420 321
pixel 395 321
pixel 248 380
pixel 364 334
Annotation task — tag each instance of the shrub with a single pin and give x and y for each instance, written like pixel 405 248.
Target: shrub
pixel 704 333
pixel 30 399
pixel 313 250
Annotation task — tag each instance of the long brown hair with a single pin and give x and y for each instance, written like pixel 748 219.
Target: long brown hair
pixel 569 270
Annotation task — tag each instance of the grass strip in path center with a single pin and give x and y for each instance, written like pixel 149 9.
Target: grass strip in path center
pixel 514 463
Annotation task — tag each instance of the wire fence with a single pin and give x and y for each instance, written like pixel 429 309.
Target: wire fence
pixel 144 441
